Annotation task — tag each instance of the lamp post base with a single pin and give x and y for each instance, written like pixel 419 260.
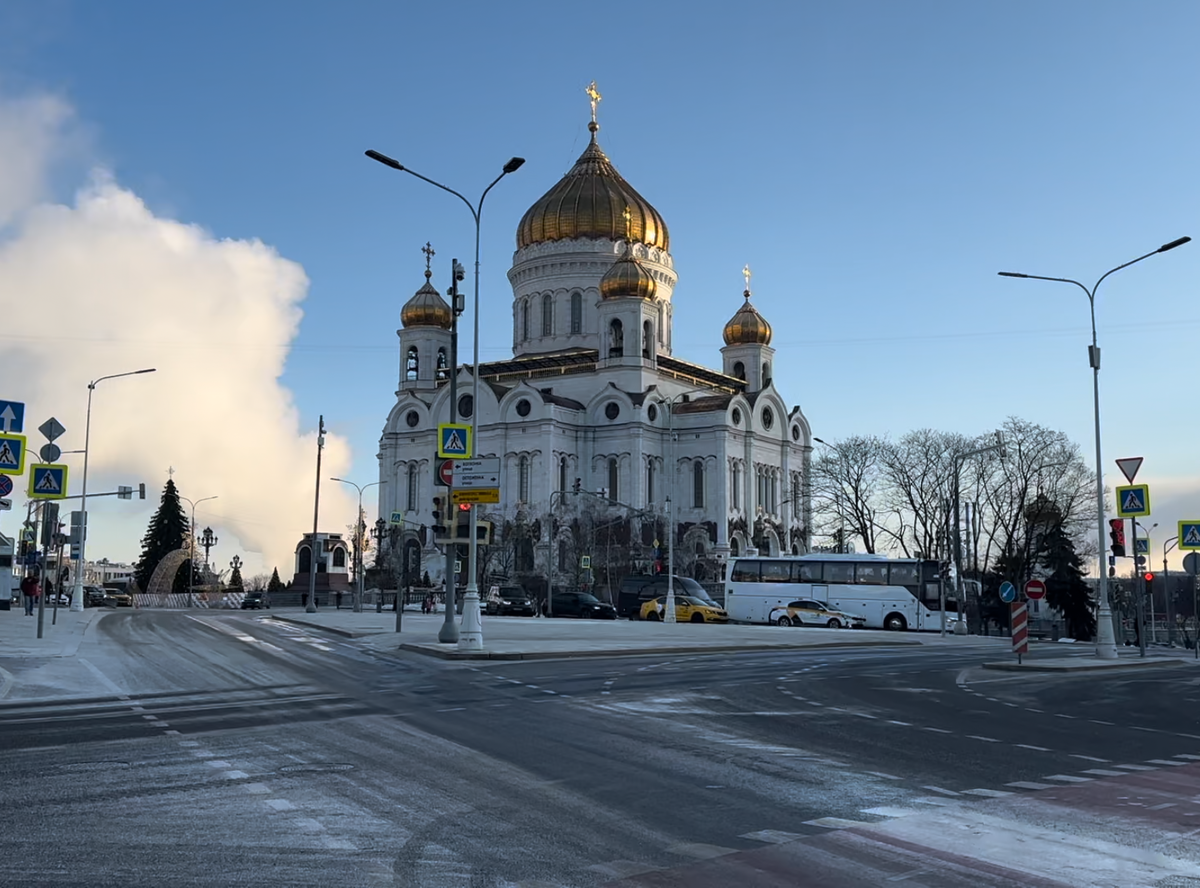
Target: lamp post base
pixel 1106 645
pixel 960 627
pixel 471 638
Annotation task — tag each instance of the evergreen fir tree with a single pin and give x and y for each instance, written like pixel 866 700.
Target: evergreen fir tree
pixel 276 584
pixel 168 531
pixel 1065 588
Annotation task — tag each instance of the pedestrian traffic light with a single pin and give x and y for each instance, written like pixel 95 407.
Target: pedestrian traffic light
pixel 1117 532
pixel 437 511
pixel 1149 577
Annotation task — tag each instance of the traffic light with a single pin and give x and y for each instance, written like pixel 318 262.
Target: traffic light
pixel 1116 530
pixel 437 511
pixel 1149 577
pixel 578 483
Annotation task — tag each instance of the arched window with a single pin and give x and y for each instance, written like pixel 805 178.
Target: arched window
pixel 442 369
pixel 524 319
pixel 650 482
pixel 735 486
pixel 305 561
pixel 616 339
pixel 739 370
pixel 523 480
pixel 698 484
pixel 547 315
pixel 562 473
pixel 411 364
pixel 576 312
pixel 796 503
pixel 339 557
pixel 411 504
pixel 766 374
pixel 734 548
pixel 661 314
pixel 648 340
pixel 613 478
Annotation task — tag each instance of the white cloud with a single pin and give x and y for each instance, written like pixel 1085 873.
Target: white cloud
pixel 105 286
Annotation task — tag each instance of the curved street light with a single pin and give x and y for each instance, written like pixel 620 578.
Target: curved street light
pixel 192 541
pixel 77 598
pixel 1106 647
pixel 358 544
pixel 472 634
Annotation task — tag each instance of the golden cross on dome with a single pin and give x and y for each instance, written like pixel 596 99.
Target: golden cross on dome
pixel 594 96
pixel 429 254
pixel 746 275
pixel 628 216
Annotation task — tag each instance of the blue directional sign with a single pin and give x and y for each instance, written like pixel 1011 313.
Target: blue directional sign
pixel 12 454
pixel 1008 592
pixel 47 481
pixel 454 440
pixel 1133 501
pixel 1189 534
pixel 12 417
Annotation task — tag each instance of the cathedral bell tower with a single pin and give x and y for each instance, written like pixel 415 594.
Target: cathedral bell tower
pixel 747 353
pixel 426 320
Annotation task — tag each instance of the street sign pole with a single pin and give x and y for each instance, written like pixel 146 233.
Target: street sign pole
pixel 1020 629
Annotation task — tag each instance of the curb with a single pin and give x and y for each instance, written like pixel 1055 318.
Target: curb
pixel 1068 667
pixel 453 654
pixel 345 633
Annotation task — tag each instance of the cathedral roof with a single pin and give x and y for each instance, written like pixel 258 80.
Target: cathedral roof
pixel 588 202
pixel 747 326
pixel 427 308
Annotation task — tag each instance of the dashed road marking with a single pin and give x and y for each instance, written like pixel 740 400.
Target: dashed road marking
pixel 948 792
pixel 235 775
pixel 987 793
pixel 279 804
pixel 1067 778
pixel 1136 767
pixel 1166 762
pixel 1034 748
pixel 937 730
pixel 984 739
pixel 1104 772
pixel 1029 784
pixel 1090 758
pixel 1184 755
pixel 836 823
pixel 771 836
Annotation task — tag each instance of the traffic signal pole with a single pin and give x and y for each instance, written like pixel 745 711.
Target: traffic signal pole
pixel 448 634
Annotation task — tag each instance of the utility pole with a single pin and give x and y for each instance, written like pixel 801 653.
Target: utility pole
pixel 311 605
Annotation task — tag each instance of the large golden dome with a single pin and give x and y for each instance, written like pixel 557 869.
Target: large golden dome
pixel 628 278
pixel 427 308
pixel 747 327
pixel 588 202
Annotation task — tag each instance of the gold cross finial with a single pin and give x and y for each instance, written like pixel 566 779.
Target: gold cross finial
pixel 171 472
pixel 746 275
pixel 429 254
pixel 594 96
pixel 628 216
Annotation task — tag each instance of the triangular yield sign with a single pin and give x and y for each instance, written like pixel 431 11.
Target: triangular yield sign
pixel 1133 502
pixel 1129 467
pixel 1192 537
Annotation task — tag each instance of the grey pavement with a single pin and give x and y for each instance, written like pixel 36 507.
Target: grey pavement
pixel 60 637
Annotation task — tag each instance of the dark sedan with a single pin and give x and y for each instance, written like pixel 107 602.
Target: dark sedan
pixel 255 601
pixel 582 604
pixel 510 600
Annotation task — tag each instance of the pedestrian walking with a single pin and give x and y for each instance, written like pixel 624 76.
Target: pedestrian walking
pixel 31 591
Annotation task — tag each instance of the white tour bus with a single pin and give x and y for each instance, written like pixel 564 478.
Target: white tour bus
pixel 892 593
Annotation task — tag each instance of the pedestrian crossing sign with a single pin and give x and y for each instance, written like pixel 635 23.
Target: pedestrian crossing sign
pixel 1189 534
pixel 47 481
pixel 1133 501
pixel 12 454
pixel 454 440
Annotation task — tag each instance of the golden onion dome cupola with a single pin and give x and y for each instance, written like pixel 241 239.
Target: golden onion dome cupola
pixel 747 326
pixel 627 278
pixel 427 308
pixel 588 202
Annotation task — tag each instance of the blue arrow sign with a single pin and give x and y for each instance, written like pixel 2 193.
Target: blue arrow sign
pixel 1008 592
pixel 12 417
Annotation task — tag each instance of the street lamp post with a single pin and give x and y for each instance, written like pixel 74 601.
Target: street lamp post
pixel 1106 647
pixel 358 544
pixel 1168 545
pixel 471 637
pixel 192 543
pixel 77 597
pixel 669 405
pixel 310 606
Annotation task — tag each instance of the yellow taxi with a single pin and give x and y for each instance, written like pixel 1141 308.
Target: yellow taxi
pixel 687 610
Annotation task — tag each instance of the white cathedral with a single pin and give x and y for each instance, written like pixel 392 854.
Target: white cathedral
pixel 593 401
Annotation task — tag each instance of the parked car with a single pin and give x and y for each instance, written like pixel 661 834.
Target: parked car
pixel 93 596
pixel 255 601
pixel 582 604
pixel 687 610
pixel 117 598
pixel 510 600
pixel 808 612
pixel 637 589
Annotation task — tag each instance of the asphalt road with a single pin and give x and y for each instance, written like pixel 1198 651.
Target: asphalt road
pixel 230 749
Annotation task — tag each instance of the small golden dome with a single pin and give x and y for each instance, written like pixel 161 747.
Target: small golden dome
pixel 628 278
pixel 747 327
pixel 427 308
pixel 588 202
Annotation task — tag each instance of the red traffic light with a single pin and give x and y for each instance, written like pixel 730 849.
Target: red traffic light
pixel 464 507
pixel 1149 577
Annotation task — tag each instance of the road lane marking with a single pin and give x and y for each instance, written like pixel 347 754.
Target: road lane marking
pixel 836 823
pixel 1090 758
pixel 1034 748
pixel 984 739
pixel 938 730
pixel 1136 767
pixel 279 804
pixel 1029 784
pixel 771 836
pixel 256 787
pixel 948 792
pixel 1166 762
pixel 218 764
pixel 1068 778
pixel 987 793
pixel 235 775
pixel 1104 772
pixel 1184 755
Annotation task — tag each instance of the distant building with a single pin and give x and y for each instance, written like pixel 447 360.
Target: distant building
pixel 593 400
pixel 333 563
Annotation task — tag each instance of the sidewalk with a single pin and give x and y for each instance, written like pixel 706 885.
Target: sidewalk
pixel 18 633
pixel 1126 659
pixel 527 638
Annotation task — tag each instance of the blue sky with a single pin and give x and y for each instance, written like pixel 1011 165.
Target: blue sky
pixel 875 163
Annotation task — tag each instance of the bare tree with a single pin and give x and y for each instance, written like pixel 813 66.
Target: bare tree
pixel 847 494
pixel 918 470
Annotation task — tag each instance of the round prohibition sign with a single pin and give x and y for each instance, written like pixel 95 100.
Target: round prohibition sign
pixel 6 485
pixel 1035 589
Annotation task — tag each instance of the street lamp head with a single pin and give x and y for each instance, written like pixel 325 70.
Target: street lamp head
pixel 385 160
pixel 147 370
pixel 820 441
pixel 1173 244
pixel 1012 274
pixel 514 164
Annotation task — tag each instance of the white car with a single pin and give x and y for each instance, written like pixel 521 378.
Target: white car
pixel 808 612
